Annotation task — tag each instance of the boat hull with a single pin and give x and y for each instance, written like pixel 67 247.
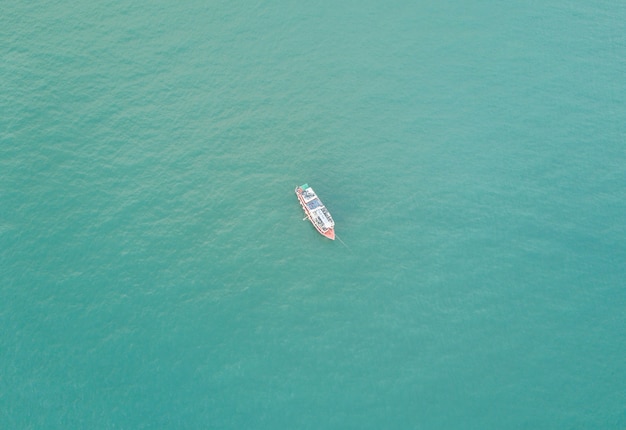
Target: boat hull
pixel 323 227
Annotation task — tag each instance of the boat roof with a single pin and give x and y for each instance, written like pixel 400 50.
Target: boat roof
pixel 324 216
pixel 308 195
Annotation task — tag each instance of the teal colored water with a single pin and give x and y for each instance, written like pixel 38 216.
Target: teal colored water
pixel 155 269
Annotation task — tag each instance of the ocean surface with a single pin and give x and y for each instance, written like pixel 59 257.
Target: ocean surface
pixel 155 271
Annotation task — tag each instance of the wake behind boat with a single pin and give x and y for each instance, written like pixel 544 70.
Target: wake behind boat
pixel 315 211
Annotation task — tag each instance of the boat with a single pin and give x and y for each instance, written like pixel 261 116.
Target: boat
pixel 315 211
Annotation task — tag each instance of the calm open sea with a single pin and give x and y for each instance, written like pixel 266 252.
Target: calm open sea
pixel 155 271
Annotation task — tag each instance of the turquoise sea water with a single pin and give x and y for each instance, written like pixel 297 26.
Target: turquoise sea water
pixel 155 271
